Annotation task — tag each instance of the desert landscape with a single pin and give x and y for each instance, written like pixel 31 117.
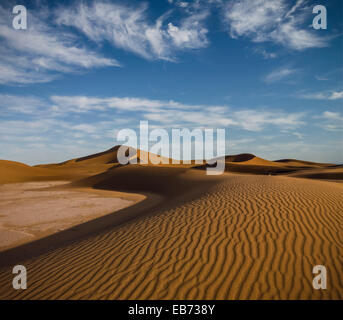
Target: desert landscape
pixel 91 228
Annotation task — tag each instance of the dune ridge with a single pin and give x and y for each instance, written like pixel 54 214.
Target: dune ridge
pixel 91 165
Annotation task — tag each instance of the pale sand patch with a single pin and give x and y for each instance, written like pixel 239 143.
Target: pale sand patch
pixel 29 210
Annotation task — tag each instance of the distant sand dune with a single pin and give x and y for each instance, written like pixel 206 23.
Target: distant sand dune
pixel 326 174
pixel 301 163
pixel 11 171
pixel 248 237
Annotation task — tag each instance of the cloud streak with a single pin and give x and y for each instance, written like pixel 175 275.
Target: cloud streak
pixel 273 21
pixel 331 121
pixel 279 74
pixel 327 95
pixel 39 53
pixel 157 111
pixel 128 28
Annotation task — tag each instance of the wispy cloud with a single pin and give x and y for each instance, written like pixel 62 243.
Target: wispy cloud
pixel 80 125
pixel 272 20
pixel 265 54
pixel 74 130
pixel 81 104
pixel 327 95
pixel 320 78
pixel 331 121
pixel 11 104
pixel 128 28
pixel 157 111
pixel 279 74
pixel 41 51
pixel 52 46
pixel 253 120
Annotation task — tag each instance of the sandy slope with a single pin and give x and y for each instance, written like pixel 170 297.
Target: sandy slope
pixel 249 163
pixel 302 163
pixel 234 236
pixel 327 174
pixel 247 237
pixel 12 171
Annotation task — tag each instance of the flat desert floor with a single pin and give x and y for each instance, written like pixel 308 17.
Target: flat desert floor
pixel 237 236
pixel 32 210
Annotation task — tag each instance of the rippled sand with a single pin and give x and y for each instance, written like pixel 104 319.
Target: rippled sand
pixel 247 237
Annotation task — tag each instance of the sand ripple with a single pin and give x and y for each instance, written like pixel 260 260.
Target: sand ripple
pixel 249 237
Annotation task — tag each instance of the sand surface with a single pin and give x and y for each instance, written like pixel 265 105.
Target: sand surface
pixel 255 232
pixel 247 237
pixel 31 210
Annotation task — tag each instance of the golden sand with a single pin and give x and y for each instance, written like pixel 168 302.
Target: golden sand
pixel 236 236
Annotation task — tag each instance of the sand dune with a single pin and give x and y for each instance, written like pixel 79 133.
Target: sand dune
pixel 334 173
pixel 11 171
pixel 108 157
pixel 235 236
pixel 248 237
pixel 74 169
pixel 249 159
pixel 249 163
pixel 302 163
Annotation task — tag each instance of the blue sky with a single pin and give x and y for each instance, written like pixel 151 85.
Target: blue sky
pixel 85 69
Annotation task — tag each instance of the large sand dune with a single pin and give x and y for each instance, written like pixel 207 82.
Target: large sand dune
pixel 234 236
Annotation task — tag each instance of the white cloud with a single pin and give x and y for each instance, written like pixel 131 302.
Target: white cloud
pixel 11 73
pixel 182 4
pixel 234 143
pixel 253 120
pixel 51 51
pixel 128 28
pixel 85 128
pixel 182 114
pixel 336 95
pixel 17 104
pixel 60 135
pixel 80 104
pixel 332 115
pixel 191 34
pixel 251 18
pixel 30 127
pixel 167 113
pixel 279 74
pixel 331 121
pixel 265 54
pixel 298 134
pixel 328 95
pixel 271 20
pixel 29 56
pixel 320 78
